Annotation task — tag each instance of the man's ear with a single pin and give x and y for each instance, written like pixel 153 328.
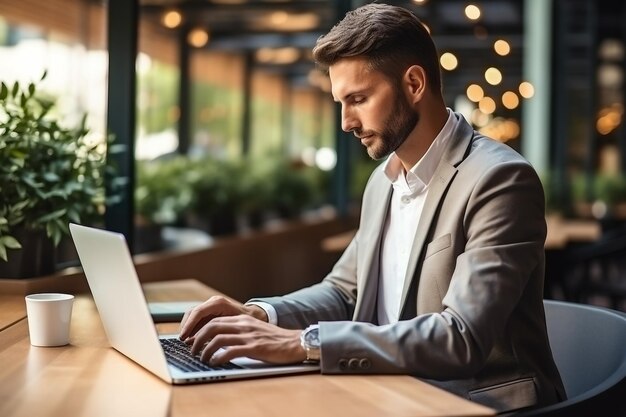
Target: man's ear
pixel 415 81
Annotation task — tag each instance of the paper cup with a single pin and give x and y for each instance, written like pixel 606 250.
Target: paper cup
pixel 49 318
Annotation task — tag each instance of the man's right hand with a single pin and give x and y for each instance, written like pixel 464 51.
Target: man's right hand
pixel 216 306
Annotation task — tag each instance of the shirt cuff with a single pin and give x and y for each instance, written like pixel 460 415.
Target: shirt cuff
pixel 272 317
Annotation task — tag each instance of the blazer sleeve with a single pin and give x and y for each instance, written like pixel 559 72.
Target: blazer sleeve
pixel 504 227
pixel 331 300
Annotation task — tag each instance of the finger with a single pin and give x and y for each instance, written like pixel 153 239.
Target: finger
pixel 233 351
pixel 184 320
pixel 222 341
pixel 195 318
pixel 215 306
pixel 211 330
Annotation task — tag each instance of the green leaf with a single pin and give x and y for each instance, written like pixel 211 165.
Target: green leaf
pixel 51 177
pixel 31 89
pixel 10 242
pixel 15 90
pixel 43 76
pixel 4 91
pixel 51 216
pixel 3 253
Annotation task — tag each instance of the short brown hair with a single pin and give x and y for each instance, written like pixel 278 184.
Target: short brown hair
pixel 390 37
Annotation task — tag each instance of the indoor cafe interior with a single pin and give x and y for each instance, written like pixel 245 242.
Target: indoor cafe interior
pixel 205 132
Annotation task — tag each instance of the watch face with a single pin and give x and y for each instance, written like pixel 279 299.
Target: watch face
pixel 312 337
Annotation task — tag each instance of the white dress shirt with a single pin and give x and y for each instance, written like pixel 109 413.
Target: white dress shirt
pixel 407 201
pixel 409 193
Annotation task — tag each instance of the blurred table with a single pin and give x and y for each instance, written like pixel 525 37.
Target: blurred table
pixel 560 233
pixel 88 378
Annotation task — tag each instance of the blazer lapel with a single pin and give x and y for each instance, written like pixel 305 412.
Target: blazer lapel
pixel 458 145
pixel 368 267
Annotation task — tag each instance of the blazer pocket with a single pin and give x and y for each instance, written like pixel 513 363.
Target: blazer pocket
pixel 439 244
pixel 508 396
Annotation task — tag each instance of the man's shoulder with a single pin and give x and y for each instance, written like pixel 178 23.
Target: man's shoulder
pixel 488 152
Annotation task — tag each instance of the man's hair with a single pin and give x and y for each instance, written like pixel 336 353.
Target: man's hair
pixel 389 37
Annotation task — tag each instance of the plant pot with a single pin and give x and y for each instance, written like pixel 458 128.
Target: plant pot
pixel 222 224
pixel 148 238
pixel 36 258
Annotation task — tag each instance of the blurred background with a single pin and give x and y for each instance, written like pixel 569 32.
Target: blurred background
pixel 230 136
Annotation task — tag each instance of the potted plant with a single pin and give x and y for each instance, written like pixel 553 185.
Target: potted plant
pixel 162 195
pixel 290 189
pixel 216 195
pixel 49 175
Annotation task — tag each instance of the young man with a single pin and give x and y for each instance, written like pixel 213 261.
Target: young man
pixel 444 278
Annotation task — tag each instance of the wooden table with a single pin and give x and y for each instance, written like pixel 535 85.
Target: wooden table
pixel 87 378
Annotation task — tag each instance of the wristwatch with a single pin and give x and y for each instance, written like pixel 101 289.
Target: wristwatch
pixel 310 341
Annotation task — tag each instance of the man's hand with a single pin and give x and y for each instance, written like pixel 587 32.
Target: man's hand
pixel 240 330
pixel 243 335
pixel 216 306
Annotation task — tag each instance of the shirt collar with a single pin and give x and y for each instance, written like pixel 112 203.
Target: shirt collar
pixel 421 173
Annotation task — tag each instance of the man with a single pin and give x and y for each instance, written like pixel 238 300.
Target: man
pixel 444 278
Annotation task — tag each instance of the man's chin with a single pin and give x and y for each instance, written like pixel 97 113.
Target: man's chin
pixel 376 154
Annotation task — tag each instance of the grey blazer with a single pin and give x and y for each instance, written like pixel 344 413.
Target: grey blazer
pixel 472 317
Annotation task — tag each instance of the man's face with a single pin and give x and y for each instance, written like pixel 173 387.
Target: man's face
pixel 372 107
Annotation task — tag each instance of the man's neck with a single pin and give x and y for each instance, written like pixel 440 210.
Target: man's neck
pixel 420 139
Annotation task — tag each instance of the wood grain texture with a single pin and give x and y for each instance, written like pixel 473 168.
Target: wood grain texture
pixel 88 378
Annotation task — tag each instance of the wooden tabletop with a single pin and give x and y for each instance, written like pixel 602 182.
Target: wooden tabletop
pixel 12 310
pixel 88 378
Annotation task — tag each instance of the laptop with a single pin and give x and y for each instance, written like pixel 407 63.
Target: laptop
pixel 116 290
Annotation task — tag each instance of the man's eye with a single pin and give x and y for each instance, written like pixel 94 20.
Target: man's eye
pixel 358 100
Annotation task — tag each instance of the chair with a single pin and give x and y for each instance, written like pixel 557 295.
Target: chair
pixel 589 348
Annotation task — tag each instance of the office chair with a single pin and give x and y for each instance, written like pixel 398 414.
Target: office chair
pixel 589 348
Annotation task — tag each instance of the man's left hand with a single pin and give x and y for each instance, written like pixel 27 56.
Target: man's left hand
pixel 243 335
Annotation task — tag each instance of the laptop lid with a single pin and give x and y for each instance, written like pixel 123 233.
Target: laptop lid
pixel 117 293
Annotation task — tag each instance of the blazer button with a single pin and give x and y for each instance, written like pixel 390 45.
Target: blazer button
pixel 343 364
pixel 353 363
pixel 365 363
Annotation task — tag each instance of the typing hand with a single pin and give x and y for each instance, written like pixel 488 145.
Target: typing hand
pixel 243 335
pixel 216 306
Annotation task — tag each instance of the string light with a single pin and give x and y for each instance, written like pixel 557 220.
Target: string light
pixel 448 61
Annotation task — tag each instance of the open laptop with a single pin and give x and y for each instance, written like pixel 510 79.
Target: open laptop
pixel 116 290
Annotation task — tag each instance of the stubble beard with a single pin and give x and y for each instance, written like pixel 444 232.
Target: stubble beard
pixel 400 123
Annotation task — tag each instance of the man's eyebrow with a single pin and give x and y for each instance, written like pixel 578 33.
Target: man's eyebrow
pixel 350 94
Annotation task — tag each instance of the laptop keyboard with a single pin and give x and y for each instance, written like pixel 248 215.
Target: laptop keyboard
pixel 178 353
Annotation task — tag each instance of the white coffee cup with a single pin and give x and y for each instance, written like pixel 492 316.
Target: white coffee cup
pixel 49 317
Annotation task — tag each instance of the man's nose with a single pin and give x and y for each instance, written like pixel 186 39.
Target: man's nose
pixel 348 121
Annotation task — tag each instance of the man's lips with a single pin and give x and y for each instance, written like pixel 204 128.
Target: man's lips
pixel 365 139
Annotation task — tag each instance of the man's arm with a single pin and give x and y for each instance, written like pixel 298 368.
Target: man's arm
pixel 504 226
pixel 332 299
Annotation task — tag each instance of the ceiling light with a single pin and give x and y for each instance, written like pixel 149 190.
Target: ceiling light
pixel 475 93
pixel 493 76
pixel 287 55
pixel 172 19
pixel 502 47
pixel 510 100
pixel 487 105
pixel 472 12
pixel 448 61
pixel 198 37
pixel 279 18
pixel 291 22
pixel 526 89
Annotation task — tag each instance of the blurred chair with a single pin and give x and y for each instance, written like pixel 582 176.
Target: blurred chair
pixel 589 347
pixel 596 272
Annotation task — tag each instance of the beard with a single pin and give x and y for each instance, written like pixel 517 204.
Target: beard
pixel 400 123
